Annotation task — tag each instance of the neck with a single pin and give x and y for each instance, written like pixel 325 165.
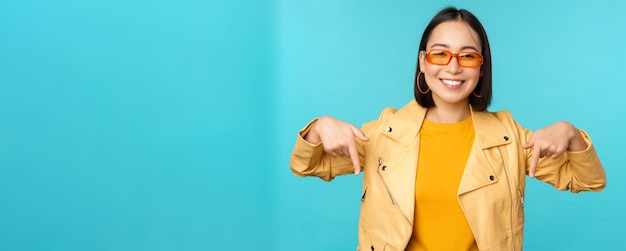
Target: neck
pixel 448 114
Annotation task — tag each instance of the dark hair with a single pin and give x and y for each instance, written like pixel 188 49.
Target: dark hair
pixel 483 88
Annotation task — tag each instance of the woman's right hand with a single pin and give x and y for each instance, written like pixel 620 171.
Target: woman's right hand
pixel 337 138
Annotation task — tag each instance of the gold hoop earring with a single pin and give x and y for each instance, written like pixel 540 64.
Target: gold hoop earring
pixel 417 80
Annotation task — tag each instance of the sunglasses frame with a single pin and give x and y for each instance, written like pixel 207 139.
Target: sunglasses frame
pixel 454 55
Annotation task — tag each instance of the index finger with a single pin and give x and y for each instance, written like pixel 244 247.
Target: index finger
pixel 533 161
pixel 354 155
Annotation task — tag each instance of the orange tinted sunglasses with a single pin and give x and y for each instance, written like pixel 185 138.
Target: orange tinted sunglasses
pixel 465 59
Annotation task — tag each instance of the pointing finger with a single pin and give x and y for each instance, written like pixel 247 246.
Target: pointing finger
pixel 354 155
pixel 533 162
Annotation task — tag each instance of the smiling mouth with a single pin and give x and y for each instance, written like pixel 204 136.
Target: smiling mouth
pixel 450 82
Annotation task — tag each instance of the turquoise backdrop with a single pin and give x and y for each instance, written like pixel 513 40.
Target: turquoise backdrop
pixel 168 125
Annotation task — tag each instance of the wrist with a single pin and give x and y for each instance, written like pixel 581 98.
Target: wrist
pixel 576 141
pixel 312 136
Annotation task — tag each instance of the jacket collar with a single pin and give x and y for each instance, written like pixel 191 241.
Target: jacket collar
pixel 405 125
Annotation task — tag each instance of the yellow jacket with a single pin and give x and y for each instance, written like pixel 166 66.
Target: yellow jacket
pixel 491 193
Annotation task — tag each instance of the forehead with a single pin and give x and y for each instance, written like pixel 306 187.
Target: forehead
pixel 454 35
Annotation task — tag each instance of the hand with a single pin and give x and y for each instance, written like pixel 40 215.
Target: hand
pixel 338 139
pixel 552 141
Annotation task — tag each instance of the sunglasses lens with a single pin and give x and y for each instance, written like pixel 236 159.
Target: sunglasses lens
pixel 470 59
pixel 438 57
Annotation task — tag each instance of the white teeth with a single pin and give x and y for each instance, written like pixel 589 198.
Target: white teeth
pixel 451 82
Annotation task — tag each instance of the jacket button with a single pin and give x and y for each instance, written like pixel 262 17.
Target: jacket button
pixel 389 129
pixel 506 138
pixel 384 168
pixel 372 248
pixel 491 177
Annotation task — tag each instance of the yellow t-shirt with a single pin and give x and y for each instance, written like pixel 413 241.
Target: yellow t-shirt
pixel 439 220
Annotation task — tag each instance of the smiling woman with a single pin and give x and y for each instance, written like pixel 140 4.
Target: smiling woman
pixel 452 82
pixel 442 172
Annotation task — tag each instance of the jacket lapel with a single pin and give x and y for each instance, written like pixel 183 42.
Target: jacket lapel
pixel 403 128
pixel 489 133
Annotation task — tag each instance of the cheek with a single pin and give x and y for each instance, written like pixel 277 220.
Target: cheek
pixel 430 74
pixel 474 75
pixel 431 70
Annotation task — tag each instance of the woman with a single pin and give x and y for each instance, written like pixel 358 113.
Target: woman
pixel 443 173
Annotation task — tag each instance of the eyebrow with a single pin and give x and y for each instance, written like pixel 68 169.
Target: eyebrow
pixel 462 48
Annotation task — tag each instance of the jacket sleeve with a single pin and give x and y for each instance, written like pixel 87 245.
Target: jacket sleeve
pixel 310 160
pixel 575 170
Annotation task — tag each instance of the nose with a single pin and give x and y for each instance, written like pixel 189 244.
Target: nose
pixel 453 66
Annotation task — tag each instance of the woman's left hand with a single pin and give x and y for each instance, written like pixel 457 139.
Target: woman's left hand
pixel 552 141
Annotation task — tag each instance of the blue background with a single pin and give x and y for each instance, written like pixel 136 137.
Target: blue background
pixel 168 125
